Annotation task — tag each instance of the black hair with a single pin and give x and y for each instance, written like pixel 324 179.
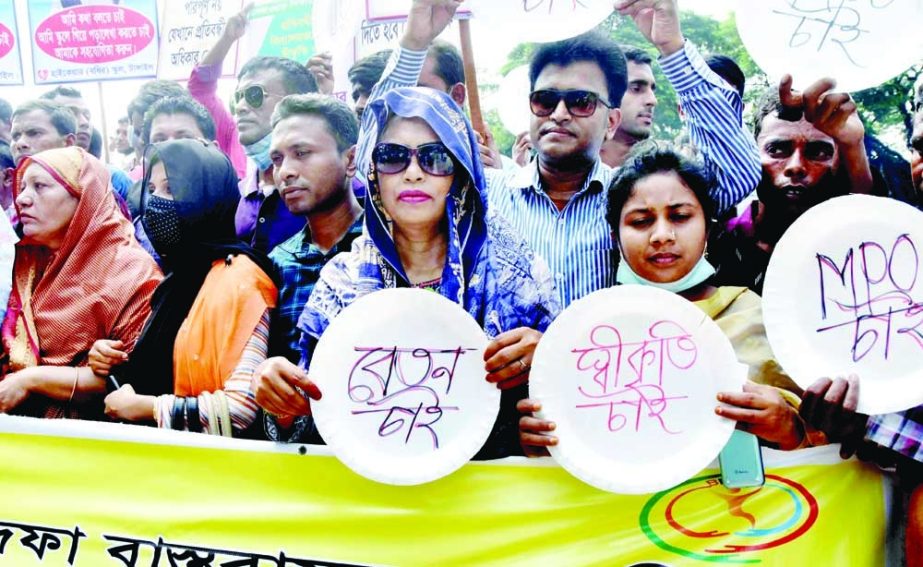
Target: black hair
pixel 61 117
pixel 729 70
pixel 768 103
pixel 449 65
pixel 593 47
pixel 6 157
pixel 652 161
pixel 152 91
pixel 61 90
pixel 96 144
pixel 296 78
pixel 179 105
pixel 341 120
pixel 6 111
pixel 636 55
pixel 367 71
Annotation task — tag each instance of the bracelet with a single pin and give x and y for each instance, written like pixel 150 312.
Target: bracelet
pixel 178 417
pixel 193 421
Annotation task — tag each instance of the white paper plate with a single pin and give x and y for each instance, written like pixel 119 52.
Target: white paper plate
pixel 410 418
pixel 644 448
pixel 860 44
pixel 808 311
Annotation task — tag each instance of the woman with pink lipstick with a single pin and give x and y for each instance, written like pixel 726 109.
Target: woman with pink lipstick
pixel 427 226
pixel 660 214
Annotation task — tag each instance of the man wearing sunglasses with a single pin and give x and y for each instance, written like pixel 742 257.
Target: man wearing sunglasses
pixel 262 219
pixel 558 202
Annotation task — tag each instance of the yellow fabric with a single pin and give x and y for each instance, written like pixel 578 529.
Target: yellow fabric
pixel 531 514
pixel 227 309
pixel 739 313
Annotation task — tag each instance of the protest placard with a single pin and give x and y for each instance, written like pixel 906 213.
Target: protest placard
pixel 10 54
pixel 190 28
pixel 630 375
pixel 860 43
pixel 97 42
pixel 280 28
pixel 848 299
pixel 405 395
pixel 540 20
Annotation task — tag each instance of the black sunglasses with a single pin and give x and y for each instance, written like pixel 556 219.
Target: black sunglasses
pixel 255 95
pixel 579 103
pixel 434 158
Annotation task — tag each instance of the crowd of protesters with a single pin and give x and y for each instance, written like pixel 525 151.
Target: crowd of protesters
pixel 186 284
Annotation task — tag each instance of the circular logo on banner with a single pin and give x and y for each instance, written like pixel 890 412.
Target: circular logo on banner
pixel 405 395
pixel 7 41
pixel 860 43
pixel 702 520
pixel 848 299
pixel 630 376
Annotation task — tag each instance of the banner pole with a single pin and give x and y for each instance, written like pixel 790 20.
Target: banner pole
pixel 471 78
pixel 105 130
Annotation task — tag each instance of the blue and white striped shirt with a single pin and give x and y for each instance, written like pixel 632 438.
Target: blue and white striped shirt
pixel 576 242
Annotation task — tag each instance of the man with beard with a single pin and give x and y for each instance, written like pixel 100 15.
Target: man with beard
pixel 811 148
pixel 916 142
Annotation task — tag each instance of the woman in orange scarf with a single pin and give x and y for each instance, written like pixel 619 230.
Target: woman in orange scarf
pixel 79 275
pixel 209 323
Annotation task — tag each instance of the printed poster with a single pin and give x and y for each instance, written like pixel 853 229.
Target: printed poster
pixel 189 29
pixel 93 40
pixel 10 55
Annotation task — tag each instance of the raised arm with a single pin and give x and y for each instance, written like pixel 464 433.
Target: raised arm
pixel 714 110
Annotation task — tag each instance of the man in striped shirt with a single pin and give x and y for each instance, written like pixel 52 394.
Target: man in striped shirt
pixel 558 202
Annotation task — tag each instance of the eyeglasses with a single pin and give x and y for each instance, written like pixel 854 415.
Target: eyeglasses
pixel 254 95
pixel 434 158
pixel 578 102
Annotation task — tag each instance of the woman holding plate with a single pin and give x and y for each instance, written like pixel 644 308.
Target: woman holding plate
pixel 427 226
pixel 660 213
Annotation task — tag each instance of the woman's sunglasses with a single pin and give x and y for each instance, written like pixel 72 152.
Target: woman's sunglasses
pixel 434 158
pixel 578 102
pixel 255 95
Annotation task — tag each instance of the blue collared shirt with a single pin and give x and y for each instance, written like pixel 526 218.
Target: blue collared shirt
pixel 576 242
pixel 299 262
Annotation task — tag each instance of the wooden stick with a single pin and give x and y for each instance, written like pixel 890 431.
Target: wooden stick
pixel 105 131
pixel 471 78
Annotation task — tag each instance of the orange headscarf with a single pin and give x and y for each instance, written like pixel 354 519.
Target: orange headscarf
pixel 97 285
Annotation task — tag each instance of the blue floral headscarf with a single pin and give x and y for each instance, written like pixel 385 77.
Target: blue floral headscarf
pixel 465 208
pixel 490 271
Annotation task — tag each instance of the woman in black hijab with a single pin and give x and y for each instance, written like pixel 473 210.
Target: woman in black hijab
pixel 210 317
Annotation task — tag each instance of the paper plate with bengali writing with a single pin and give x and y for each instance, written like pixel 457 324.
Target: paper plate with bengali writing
pixel 844 295
pixel 405 396
pixel 630 376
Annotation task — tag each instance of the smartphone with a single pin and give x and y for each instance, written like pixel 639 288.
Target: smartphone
pixel 741 461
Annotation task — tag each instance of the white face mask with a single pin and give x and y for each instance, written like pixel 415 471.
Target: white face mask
pixel 699 273
pixel 259 152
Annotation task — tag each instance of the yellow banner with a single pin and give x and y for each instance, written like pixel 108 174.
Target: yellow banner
pixel 129 497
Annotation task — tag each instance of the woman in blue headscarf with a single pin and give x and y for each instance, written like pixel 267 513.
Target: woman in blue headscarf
pixel 427 226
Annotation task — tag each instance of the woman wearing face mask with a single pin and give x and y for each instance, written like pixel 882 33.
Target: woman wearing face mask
pixel 660 215
pixel 427 227
pixel 210 317
pixel 79 275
